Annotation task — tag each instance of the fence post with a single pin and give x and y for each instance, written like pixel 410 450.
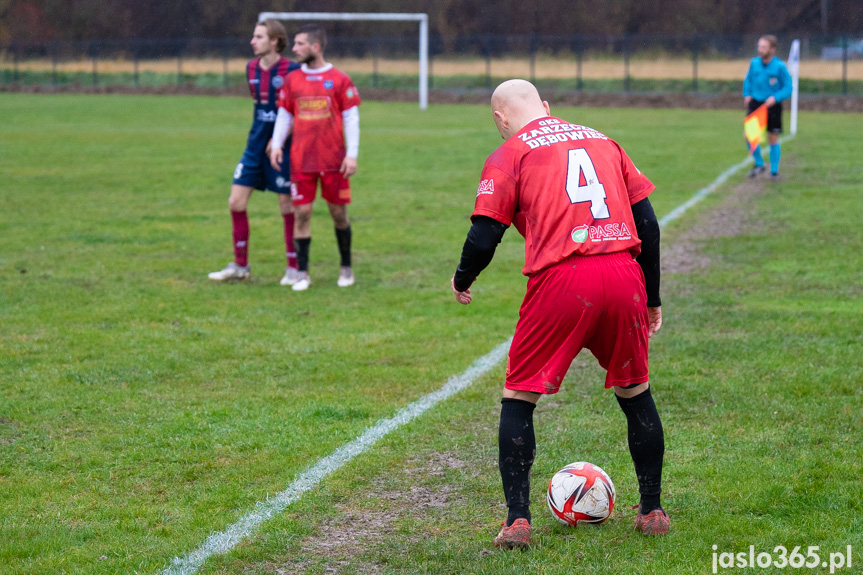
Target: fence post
pixel 225 63
pixel 431 60
pixel 626 78
pixel 15 62
pixel 533 58
pixel 487 46
pixel 375 53
pixel 579 55
pixel 695 63
pixel 94 53
pixel 179 63
pixel 54 50
pixel 844 65
pixel 135 56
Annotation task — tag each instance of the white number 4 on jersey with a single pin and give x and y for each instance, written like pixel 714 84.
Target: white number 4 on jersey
pixel 592 190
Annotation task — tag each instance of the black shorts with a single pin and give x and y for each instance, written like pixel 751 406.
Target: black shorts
pixel 774 115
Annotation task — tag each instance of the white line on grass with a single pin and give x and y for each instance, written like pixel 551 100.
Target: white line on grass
pixel 706 191
pixel 222 542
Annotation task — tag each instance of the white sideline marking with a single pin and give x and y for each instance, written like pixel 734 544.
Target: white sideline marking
pixel 706 191
pixel 222 542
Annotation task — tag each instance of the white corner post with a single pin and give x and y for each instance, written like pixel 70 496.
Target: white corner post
pixel 424 62
pixel 794 69
pixel 423 20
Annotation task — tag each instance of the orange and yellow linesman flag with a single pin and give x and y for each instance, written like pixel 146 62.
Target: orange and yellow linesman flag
pixel 754 127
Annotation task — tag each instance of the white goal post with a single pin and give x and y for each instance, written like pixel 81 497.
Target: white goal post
pixel 423 20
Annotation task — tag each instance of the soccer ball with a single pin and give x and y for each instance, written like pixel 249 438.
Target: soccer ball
pixel 581 493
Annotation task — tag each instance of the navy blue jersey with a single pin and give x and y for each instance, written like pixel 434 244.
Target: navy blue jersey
pixel 254 169
pixel 264 85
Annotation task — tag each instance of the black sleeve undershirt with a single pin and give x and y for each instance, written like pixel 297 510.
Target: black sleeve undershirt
pixel 482 240
pixel 647 227
pixel 486 233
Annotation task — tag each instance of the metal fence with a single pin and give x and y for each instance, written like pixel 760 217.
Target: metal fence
pixel 602 63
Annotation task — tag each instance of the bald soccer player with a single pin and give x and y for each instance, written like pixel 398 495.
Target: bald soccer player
pixel 592 259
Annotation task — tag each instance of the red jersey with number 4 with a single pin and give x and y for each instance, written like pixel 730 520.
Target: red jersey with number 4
pixel 316 99
pixel 566 188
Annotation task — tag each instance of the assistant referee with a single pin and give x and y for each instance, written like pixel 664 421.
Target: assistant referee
pixel 767 82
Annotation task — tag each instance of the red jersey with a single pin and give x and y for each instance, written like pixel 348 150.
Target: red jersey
pixel 568 190
pixel 316 99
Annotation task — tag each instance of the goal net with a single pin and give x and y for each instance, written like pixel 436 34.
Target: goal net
pixel 382 17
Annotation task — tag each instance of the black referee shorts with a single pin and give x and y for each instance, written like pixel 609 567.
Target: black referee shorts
pixel 774 115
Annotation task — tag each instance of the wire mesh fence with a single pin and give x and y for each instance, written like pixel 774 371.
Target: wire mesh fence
pixel 601 63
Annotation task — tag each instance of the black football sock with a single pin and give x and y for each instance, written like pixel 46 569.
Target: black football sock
pixel 302 245
pixel 516 450
pixel 646 445
pixel 343 239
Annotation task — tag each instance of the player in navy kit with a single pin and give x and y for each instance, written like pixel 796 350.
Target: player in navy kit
pixel 266 76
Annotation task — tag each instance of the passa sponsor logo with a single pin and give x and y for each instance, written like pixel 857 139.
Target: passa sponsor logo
pixel 485 187
pixel 614 231
pixel 604 233
pixel 579 234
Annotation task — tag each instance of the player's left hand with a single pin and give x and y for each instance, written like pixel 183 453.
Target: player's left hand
pixel 654 320
pixel 349 167
pixel 462 297
pixel 770 102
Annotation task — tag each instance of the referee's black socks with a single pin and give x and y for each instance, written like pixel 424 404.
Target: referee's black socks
pixel 646 445
pixel 516 450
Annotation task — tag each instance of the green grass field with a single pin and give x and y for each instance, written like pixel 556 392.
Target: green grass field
pixel 143 407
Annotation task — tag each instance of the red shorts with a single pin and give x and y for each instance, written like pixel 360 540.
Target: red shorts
pixel 595 302
pixel 335 188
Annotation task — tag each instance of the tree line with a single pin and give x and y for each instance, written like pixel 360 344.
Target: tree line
pixel 60 20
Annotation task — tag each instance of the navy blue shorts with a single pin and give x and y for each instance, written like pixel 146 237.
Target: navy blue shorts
pixel 255 171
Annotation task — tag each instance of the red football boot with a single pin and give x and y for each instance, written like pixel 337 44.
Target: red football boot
pixel 654 523
pixel 516 536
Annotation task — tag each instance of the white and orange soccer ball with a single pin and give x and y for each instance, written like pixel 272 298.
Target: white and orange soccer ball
pixel 581 493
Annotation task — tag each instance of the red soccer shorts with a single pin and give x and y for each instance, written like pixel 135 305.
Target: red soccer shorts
pixel 595 302
pixel 335 188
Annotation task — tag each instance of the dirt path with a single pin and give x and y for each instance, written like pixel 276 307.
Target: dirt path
pixel 728 219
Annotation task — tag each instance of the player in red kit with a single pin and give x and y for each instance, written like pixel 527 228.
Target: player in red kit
pixel 320 104
pixel 592 259
pixel 266 76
